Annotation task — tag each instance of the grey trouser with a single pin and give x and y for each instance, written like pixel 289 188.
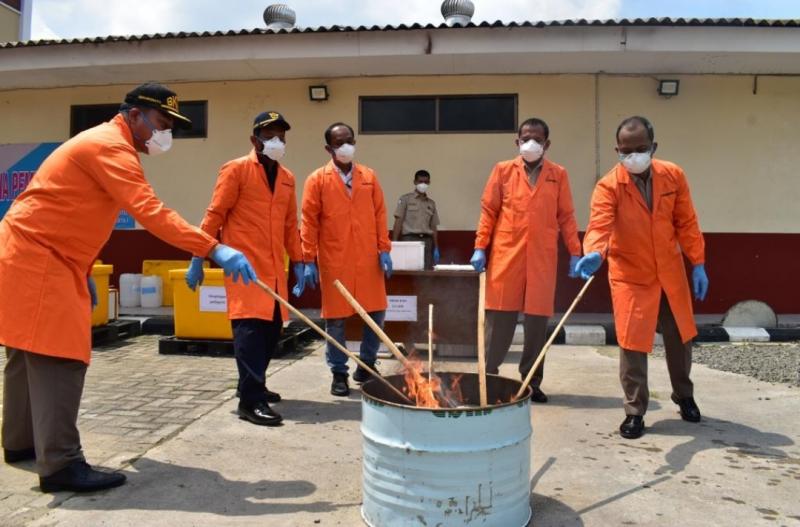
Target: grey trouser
pixel 633 365
pixel 41 398
pixel 500 327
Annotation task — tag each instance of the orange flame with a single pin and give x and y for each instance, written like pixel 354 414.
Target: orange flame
pixel 433 392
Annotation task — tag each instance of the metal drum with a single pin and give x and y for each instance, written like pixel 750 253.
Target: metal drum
pixel 448 467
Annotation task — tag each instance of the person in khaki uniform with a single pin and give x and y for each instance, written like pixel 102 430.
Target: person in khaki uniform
pixel 416 218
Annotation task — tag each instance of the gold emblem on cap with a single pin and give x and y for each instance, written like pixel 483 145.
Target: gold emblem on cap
pixel 273 115
pixel 172 102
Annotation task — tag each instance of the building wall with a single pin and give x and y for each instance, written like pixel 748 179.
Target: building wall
pixel 9 24
pixel 737 147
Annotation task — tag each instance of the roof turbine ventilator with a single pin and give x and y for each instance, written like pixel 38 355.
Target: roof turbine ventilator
pixel 457 12
pixel 279 16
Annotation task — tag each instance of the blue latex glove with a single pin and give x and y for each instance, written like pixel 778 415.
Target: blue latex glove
pixel 386 264
pixel 588 265
pixel 573 261
pixel 233 263
pixel 195 274
pixel 478 260
pixel 700 282
pixel 92 291
pixel 436 256
pixel 300 279
pixel 311 275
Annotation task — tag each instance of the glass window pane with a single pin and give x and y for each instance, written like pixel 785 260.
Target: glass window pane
pixel 490 113
pixel 396 114
pixel 87 116
pixel 197 112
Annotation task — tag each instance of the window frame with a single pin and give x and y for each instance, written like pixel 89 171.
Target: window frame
pixel 437 98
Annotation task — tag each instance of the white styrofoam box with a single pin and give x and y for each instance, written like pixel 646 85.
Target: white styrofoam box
pixel 408 256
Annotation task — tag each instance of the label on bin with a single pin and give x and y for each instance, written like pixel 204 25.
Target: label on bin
pixel 213 299
pixel 401 308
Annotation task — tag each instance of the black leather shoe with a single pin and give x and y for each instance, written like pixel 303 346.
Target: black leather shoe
pixel 260 414
pixel 273 397
pixel 362 375
pixel 538 396
pixel 632 427
pixel 339 386
pixel 688 408
pixel 80 477
pixel 16 456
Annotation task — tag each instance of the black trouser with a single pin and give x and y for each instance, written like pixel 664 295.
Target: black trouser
pixel 254 343
pixel 428 240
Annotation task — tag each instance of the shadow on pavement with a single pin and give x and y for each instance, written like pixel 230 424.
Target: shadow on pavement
pixel 590 401
pixel 166 487
pixel 711 434
pixel 549 511
pixel 315 412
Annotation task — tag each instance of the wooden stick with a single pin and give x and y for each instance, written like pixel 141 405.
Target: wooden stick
pixel 549 342
pixel 482 338
pixel 330 339
pixel 372 325
pixel 430 342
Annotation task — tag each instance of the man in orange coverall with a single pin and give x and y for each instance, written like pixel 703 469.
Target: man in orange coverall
pixel 344 227
pixel 642 219
pixel 526 203
pixel 49 240
pixel 254 206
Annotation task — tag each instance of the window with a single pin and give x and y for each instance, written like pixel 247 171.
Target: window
pixel 438 114
pixel 86 116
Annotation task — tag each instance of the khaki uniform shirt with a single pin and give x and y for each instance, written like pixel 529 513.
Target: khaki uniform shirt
pixel 418 213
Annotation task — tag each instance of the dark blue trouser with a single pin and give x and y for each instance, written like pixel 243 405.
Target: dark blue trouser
pixel 337 361
pixel 254 343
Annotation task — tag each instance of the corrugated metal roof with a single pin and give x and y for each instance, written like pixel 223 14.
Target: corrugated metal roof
pixel 623 22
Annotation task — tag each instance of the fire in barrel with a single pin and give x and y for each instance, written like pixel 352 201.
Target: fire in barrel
pixel 451 463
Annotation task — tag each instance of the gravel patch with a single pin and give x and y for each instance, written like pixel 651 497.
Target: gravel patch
pixel 769 362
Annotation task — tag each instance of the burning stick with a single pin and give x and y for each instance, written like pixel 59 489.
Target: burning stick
pixel 371 323
pixel 330 339
pixel 482 339
pixel 551 339
pixel 429 394
pixel 430 341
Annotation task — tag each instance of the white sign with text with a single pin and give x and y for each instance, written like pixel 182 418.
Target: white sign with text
pixel 402 309
pixel 213 299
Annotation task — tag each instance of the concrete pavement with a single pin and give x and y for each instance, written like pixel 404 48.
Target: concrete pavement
pixel 739 466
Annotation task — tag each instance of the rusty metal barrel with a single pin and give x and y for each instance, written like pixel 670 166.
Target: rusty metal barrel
pixel 446 467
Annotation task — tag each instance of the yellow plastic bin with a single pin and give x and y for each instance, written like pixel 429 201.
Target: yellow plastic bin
pixel 101 275
pixel 162 268
pixel 202 313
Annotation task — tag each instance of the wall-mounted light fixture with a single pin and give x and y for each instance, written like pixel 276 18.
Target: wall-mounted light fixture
pixel 668 87
pixel 318 93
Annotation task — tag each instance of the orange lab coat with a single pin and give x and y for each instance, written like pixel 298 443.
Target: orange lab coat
pixel 261 224
pixel 55 229
pixel 644 250
pixel 522 223
pixel 346 234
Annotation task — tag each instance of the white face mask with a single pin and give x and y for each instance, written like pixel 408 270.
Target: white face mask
pixel 159 142
pixel 422 187
pixel 531 151
pixel 637 162
pixel 274 148
pixel 345 153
